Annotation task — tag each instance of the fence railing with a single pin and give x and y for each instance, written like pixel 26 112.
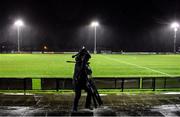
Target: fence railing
pixel 101 83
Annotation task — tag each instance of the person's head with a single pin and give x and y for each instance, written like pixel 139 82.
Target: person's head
pixel 84 52
pixel 83 49
pixel 81 52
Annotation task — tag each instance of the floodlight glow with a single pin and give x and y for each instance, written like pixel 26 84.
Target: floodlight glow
pixel 94 24
pixel 19 23
pixel 175 25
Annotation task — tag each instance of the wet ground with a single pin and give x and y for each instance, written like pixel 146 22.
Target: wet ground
pixel 114 105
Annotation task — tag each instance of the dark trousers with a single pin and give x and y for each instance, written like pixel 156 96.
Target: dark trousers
pixel 78 95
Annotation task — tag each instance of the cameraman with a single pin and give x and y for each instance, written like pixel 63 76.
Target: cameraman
pixel 80 77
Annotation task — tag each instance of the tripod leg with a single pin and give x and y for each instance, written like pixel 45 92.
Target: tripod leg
pixel 94 100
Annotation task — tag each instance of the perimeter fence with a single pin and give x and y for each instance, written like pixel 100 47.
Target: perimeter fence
pixel 138 83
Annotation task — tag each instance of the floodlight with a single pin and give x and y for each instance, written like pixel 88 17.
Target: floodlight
pixel 45 47
pixel 94 24
pixel 19 23
pixel 175 26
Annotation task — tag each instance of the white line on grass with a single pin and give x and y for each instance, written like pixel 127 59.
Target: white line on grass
pixel 138 66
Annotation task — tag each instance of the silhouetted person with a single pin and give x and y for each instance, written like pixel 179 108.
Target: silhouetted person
pixel 81 72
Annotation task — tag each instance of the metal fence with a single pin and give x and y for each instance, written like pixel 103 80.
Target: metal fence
pixel 101 83
pixel 15 84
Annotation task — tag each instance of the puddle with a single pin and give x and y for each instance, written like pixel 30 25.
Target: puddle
pixel 171 93
pixel 14 110
pixel 29 111
pixel 163 110
pixel 18 94
pixel 167 110
pixel 104 111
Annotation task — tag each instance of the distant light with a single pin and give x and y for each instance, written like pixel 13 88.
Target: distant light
pixel 94 24
pixel 45 47
pixel 19 23
pixel 175 25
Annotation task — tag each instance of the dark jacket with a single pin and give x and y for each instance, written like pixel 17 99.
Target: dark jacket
pixel 82 69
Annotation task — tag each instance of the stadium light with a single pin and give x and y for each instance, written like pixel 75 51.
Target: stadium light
pixel 19 23
pixel 95 24
pixel 175 26
pixel 45 47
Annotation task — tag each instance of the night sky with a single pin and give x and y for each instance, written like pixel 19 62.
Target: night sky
pixel 64 25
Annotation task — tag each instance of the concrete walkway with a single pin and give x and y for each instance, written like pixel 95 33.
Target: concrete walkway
pixel 114 105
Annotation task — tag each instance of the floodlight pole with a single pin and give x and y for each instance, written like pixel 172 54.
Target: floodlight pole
pixel 18 31
pixel 175 26
pixel 95 51
pixel 175 30
pixel 18 24
pixel 95 24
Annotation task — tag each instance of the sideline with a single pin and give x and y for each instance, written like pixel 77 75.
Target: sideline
pixel 138 66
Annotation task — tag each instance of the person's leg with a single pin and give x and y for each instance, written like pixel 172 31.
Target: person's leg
pixel 76 99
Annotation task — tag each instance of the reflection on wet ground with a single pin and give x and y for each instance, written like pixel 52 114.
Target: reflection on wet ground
pixel 114 105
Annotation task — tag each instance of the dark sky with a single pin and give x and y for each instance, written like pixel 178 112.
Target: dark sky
pixel 63 25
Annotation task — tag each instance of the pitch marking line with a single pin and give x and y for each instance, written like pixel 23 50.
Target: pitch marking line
pixel 138 66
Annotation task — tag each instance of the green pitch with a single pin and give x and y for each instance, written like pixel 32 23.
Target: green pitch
pixel 54 65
